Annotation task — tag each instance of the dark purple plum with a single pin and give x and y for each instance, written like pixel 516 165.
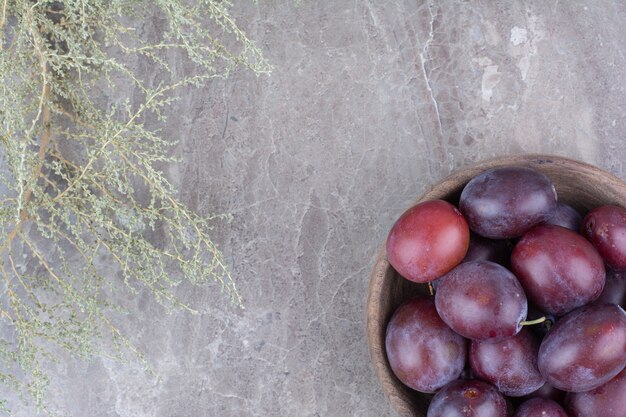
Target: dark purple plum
pixel 471 398
pixel 481 300
pixel 504 203
pixel 608 400
pixel 423 352
pixel 558 268
pixel 510 364
pixel 540 407
pixel 585 348
pixel 605 227
pixel 428 240
pixel 483 249
pixel 614 288
pixel 566 216
pixel 548 392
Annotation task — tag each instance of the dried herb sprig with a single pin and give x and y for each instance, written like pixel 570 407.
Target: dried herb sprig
pixel 79 177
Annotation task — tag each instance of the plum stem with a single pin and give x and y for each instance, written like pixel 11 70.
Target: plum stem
pixel 431 289
pixel 536 321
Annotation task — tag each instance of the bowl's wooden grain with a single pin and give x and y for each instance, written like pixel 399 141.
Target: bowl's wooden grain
pixel 578 184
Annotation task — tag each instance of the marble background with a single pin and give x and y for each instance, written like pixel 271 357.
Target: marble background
pixel 370 102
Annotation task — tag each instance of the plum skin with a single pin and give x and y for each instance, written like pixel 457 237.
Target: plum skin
pixel 559 269
pixel 605 401
pixel 605 228
pixel 481 300
pixel 509 364
pixel 423 352
pixel 471 398
pixel 427 241
pixel 503 203
pixel 585 348
pixel 540 407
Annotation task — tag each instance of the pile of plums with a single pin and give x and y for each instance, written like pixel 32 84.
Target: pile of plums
pixel 526 317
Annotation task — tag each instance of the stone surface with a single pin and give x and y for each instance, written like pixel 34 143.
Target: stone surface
pixel 370 102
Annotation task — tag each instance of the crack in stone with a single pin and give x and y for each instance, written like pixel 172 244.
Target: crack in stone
pixel 423 58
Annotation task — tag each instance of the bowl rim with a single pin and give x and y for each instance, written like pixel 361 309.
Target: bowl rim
pixel 401 400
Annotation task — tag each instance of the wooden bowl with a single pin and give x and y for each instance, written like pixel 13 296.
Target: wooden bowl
pixel 581 185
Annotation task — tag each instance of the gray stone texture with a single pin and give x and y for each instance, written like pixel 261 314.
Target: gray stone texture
pixel 370 103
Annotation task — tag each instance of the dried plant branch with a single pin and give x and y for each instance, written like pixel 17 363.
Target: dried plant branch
pixel 79 178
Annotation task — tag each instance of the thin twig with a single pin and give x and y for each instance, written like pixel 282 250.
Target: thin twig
pixel 3 20
pixel 46 118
